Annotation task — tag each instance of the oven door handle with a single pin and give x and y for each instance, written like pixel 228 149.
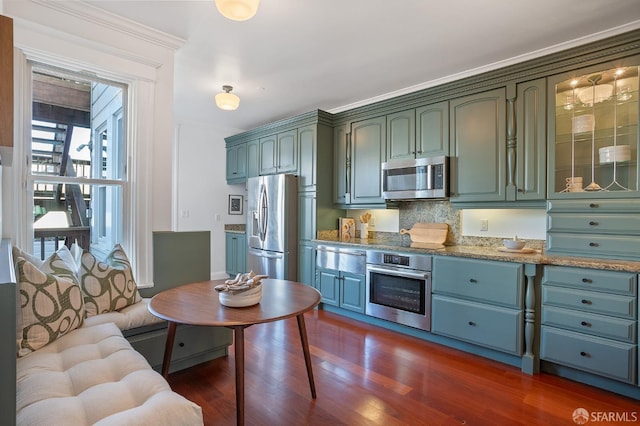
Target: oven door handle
pixel 398 272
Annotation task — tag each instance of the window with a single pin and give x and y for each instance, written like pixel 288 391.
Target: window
pixel 78 170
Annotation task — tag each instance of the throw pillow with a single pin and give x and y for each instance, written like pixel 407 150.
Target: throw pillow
pixel 59 263
pixel 109 285
pixel 51 306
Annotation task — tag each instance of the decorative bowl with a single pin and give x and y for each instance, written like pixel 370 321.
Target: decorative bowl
pixel 514 244
pixel 246 298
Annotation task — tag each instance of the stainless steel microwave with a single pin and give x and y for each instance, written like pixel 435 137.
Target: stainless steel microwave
pixel 418 178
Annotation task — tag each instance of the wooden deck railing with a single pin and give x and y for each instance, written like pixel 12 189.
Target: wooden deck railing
pixel 81 234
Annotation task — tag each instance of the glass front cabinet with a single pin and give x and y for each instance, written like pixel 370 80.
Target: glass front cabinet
pixel 593 132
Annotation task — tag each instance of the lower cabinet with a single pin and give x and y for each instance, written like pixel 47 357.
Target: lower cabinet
pixel 193 345
pixel 590 321
pixel 342 289
pixel 307 264
pixel 479 301
pixel 235 253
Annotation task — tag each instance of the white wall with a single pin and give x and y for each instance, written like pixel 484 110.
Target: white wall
pixel 201 201
pixel 505 223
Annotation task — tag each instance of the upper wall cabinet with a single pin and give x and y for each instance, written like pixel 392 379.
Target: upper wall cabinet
pixel 530 147
pixel 368 152
pixel 341 165
pixel 253 158
pixel 236 163
pixel 278 153
pixel 593 132
pixel 478 147
pixel 418 133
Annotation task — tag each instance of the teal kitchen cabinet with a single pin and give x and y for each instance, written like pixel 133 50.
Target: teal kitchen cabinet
pixel 478 147
pixel 479 301
pixel 600 228
pixel 368 152
pixel 307 264
pixel 340 277
pixel 235 253
pixel 253 158
pixel 584 131
pixel 527 175
pixel 341 165
pixel 590 321
pixel 432 130
pixel 236 163
pixel 401 135
pixel 278 153
pixel 342 289
pixel 418 133
pixel 315 155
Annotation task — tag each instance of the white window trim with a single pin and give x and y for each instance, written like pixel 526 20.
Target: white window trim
pixel 137 197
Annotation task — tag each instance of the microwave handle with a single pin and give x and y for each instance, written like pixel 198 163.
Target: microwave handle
pixel 429 176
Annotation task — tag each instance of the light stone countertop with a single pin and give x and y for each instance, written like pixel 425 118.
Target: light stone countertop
pixel 239 228
pixel 488 253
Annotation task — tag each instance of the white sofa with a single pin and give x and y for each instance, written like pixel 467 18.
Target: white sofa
pixel 93 374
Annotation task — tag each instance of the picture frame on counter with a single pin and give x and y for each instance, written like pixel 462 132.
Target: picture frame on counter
pixel 235 204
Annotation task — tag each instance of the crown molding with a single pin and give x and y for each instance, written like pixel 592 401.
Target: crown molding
pixel 95 15
pixel 493 66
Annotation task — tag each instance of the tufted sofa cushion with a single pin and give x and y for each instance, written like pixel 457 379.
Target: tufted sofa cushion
pixel 93 376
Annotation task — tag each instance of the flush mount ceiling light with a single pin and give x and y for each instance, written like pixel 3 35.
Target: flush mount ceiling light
pixel 237 10
pixel 227 100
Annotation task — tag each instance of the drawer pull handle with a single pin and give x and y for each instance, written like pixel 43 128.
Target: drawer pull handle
pixel 472 324
pixel 593 244
pixel 585 324
pixel 473 280
pixel 592 223
pixel 585 354
pixel 587 280
pixel 593 205
pixel 586 302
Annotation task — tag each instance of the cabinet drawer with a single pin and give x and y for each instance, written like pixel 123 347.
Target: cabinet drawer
pixel 591 279
pixel 496 328
pixel 595 245
pixel 624 224
pixel 190 342
pixel 494 282
pixel 605 357
pixel 590 301
pixel 596 325
pixel 595 206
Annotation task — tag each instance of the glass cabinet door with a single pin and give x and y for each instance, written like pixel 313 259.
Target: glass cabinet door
pixel 593 133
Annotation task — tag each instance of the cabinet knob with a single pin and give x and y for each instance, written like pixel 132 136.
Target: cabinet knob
pixel 592 223
pixel 585 302
pixel 593 244
pixel 472 324
pixel 587 280
pixel 181 344
pixel 585 324
pixel 593 205
pixel 473 280
pixel 585 354
pixel 520 190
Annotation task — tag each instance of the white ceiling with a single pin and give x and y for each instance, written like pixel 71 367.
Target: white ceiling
pixel 298 55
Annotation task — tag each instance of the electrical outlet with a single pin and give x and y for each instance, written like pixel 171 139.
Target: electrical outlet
pixel 484 224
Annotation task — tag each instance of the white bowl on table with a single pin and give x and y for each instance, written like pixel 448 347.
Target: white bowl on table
pixel 239 300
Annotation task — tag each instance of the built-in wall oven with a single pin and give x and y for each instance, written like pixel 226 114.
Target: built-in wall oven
pixel 398 288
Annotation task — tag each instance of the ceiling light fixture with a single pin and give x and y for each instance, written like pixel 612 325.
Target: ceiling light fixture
pixel 227 100
pixel 237 10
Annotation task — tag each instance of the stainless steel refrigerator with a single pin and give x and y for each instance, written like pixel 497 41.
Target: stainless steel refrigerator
pixel 272 225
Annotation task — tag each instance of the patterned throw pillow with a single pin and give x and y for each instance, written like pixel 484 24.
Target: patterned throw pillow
pixel 51 306
pixel 109 285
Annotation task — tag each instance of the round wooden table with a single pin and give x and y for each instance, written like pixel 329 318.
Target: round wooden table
pixel 198 304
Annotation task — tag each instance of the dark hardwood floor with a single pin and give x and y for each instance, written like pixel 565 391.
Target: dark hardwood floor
pixel 366 375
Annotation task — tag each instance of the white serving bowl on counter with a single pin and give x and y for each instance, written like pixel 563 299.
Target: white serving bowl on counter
pixel 514 244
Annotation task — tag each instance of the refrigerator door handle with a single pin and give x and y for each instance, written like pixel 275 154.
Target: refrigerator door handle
pixel 265 254
pixel 263 209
